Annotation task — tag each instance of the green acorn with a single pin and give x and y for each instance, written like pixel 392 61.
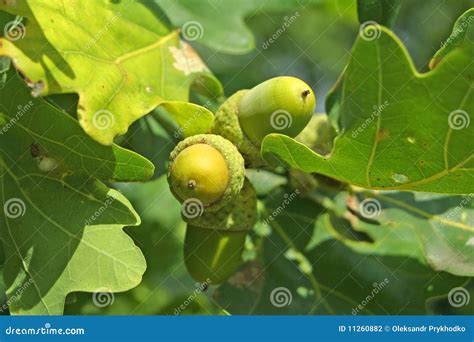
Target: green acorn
pixel 214 241
pixel 207 169
pixel 212 255
pixel 279 105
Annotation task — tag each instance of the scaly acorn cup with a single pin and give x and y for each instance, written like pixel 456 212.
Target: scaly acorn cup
pixel 206 170
pixel 239 214
pixel 279 105
pixel 226 124
pixel 214 241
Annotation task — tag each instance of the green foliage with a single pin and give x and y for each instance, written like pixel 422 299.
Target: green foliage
pixel 166 283
pixel 388 111
pixel 62 229
pixel 462 36
pixel 332 237
pixel 383 12
pixel 436 230
pixel 296 277
pixel 150 67
pixel 219 24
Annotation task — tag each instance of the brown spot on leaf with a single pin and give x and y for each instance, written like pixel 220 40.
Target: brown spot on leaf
pixel 352 202
pixel 250 276
pixel 35 150
pixel 382 134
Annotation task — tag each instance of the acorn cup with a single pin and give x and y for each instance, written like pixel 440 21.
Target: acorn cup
pixel 226 124
pixel 215 240
pixel 282 105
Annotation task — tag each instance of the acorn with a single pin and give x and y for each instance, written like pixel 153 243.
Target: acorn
pixel 215 240
pixel 211 255
pixel 279 105
pixel 208 169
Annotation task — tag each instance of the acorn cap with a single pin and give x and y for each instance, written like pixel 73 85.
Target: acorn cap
pixel 238 215
pixel 234 174
pixel 226 124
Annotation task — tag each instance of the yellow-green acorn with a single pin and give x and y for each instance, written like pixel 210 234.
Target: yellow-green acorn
pixel 279 105
pixel 214 241
pixel 208 169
